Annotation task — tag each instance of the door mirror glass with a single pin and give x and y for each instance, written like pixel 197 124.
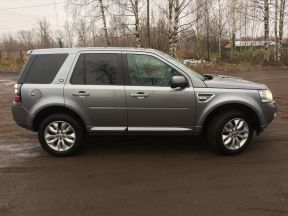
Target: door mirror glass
pixel 179 82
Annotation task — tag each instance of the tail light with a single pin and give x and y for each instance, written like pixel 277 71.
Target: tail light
pixel 17 91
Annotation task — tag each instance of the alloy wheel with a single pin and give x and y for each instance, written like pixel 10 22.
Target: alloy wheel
pixel 60 136
pixel 235 133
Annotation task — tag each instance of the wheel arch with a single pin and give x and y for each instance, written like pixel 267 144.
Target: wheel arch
pixel 43 113
pixel 246 109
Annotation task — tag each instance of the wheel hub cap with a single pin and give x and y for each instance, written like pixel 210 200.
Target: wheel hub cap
pixel 235 133
pixel 60 136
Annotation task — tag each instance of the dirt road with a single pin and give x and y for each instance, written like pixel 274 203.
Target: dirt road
pixel 146 175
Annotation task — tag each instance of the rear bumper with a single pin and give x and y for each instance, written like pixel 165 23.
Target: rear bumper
pixel 21 116
pixel 25 125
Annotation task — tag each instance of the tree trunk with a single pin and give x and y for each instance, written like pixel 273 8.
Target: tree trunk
pixel 137 24
pixel 175 27
pixel 104 23
pixel 276 32
pixel 281 22
pixel 170 31
pixel 197 28
pixel 253 25
pixel 207 23
pixel 233 27
pixel 219 29
pixel 219 45
pixel 148 23
pixel 245 25
pixel 266 32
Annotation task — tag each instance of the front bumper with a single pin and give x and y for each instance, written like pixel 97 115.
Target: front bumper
pixel 269 112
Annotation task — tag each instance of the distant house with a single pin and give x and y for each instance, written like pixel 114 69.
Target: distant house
pixel 240 45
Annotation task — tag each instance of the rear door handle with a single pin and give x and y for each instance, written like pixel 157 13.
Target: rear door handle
pixel 139 95
pixel 81 93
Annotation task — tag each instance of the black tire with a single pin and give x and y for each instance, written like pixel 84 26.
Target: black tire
pixel 78 129
pixel 215 128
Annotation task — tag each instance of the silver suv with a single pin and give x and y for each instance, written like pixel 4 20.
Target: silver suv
pixel 65 93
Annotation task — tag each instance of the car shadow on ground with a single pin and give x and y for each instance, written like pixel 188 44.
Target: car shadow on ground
pixel 145 145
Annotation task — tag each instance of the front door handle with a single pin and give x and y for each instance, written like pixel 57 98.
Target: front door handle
pixel 139 95
pixel 81 93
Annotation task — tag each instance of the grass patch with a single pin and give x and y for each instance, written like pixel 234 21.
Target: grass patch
pixel 11 65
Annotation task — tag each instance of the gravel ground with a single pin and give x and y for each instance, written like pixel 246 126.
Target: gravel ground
pixel 146 175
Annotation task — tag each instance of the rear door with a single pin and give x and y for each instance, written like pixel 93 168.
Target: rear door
pixel 95 89
pixel 152 105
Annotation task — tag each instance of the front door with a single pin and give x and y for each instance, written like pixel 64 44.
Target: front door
pixel 152 105
pixel 96 91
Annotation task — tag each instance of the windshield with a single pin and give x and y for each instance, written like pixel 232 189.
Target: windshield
pixel 183 66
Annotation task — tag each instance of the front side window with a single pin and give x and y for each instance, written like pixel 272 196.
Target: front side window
pixel 96 69
pixel 147 70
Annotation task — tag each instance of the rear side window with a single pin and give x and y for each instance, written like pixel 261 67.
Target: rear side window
pixel 97 69
pixel 44 68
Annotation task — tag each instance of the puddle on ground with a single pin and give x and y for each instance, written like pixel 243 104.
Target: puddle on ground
pixel 18 151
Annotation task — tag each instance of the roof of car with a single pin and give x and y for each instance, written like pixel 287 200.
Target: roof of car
pixel 76 50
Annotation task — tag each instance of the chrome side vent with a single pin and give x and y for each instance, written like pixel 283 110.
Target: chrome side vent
pixel 205 97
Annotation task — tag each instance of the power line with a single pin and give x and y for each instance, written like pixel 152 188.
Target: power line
pixel 31 6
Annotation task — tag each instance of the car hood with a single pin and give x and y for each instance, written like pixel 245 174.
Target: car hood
pixel 221 81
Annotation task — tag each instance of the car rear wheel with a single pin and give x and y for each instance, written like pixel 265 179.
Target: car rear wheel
pixel 230 132
pixel 60 135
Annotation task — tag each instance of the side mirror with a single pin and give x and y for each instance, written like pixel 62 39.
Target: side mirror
pixel 179 82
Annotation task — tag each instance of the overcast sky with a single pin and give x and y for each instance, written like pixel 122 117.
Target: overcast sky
pixel 29 12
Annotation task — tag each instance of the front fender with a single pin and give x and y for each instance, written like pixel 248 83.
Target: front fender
pixel 224 97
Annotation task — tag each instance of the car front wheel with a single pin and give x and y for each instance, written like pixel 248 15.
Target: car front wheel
pixel 230 132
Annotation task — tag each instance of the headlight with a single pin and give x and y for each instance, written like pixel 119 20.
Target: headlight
pixel 266 96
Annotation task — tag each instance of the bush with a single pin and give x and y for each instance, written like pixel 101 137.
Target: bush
pixel 284 57
pixel 11 64
pixel 250 57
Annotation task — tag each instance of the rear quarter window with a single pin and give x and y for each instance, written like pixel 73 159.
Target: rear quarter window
pixel 42 69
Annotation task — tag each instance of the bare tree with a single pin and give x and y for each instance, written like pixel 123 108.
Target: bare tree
pixel 281 22
pixel 82 33
pixel 91 12
pixel 69 34
pixel 132 9
pixel 148 23
pixel 170 24
pixel 45 39
pixel 233 18
pixel 245 22
pixel 135 8
pixel 207 26
pixel 104 23
pixel 27 39
pixel 177 8
pixel 266 31
pixel 221 21
pixel 276 31
pixel 197 32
